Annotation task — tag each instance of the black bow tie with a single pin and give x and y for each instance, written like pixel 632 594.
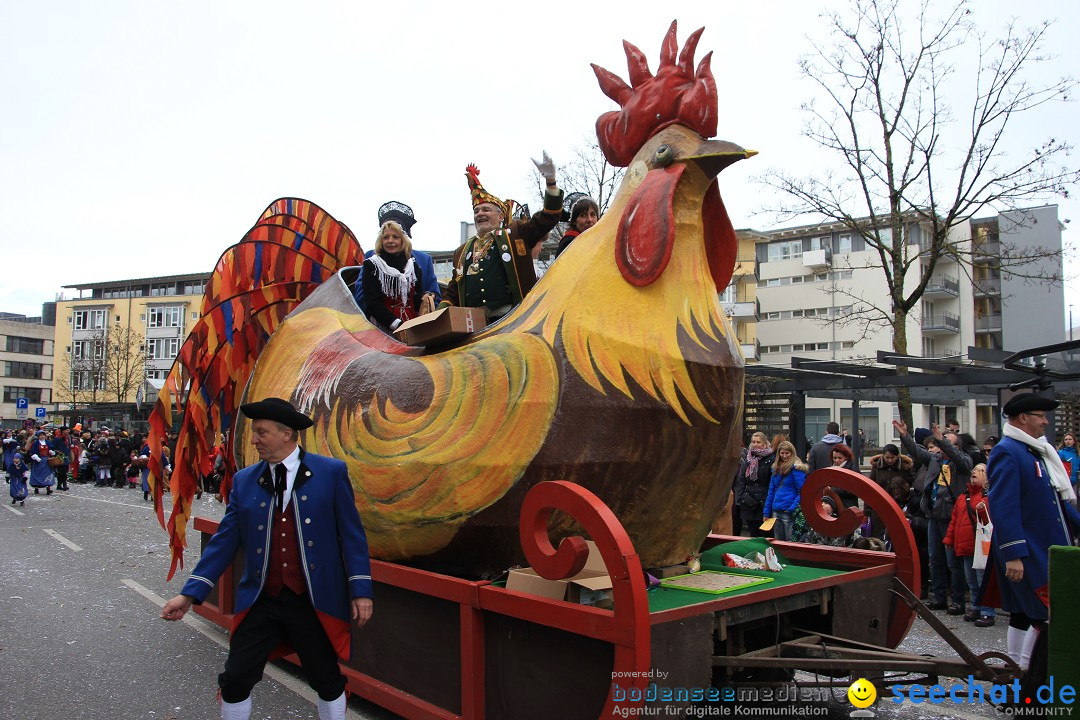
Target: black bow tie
pixel 279 486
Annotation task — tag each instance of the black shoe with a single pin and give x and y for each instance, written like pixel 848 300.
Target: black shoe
pixel 984 621
pixel 48 491
pixel 971 616
pixel 145 496
pixel 937 605
pixel 956 610
pixel 37 491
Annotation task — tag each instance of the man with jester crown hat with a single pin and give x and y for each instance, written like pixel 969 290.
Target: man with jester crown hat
pixel 494 268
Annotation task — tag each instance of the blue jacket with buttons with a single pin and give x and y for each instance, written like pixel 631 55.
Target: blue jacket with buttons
pixel 332 542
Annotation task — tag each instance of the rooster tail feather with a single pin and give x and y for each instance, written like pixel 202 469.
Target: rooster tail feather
pixel 293 248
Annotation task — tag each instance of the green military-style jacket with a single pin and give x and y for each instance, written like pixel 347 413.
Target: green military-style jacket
pixel 513 246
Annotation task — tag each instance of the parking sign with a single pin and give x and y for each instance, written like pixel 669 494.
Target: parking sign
pixel 22 403
pixel 39 412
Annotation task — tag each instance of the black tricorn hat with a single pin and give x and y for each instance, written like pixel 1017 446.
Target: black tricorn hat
pixel 400 213
pixel 1028 402
pixel 278 410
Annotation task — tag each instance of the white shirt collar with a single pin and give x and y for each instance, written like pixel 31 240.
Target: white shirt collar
pixel 292 465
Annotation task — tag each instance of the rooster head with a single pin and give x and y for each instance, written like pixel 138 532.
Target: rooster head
pixel 660 133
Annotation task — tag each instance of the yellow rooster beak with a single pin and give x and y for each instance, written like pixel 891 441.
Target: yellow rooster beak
pixel 712 156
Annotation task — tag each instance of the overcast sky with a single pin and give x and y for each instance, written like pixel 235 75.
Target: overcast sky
pixel 142 138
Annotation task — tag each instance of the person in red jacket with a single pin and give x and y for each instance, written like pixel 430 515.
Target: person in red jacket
pixel 961 538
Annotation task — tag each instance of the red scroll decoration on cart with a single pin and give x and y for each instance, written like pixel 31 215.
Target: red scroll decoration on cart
pixel 631 614
pixel 908 570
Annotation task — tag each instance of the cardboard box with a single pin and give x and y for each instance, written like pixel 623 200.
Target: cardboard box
pixel 441 326
pixel 591 586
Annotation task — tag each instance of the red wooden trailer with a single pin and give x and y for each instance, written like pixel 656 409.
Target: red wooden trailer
pixel 450 648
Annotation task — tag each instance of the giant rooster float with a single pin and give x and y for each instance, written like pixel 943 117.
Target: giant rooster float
pixel 619 371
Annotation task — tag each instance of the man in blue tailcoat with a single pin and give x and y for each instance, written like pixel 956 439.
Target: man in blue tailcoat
pixel 1028 497
pixel 307 571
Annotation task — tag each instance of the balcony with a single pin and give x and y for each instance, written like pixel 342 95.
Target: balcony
pixel 987 286
pixel 984 252
pixel 942 286
pixel 817 259
pixel 940 323
pixel 742 311
pixel 751 351
pixel 988 323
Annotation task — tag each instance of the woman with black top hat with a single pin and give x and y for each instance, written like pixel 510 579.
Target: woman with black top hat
pixel 583 216
pixel 392 280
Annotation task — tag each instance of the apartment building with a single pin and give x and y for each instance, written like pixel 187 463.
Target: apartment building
pixel 116 334
pixel 822 296
pixel 26 365
pixel 740 298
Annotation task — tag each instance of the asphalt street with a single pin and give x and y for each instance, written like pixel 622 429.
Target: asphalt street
pixel 82 580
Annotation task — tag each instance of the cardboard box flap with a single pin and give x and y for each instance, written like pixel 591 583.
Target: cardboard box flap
pixel 422 319
pixel 595 582
pixel 595 563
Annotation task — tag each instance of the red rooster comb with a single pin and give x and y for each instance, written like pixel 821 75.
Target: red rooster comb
pixel 676 94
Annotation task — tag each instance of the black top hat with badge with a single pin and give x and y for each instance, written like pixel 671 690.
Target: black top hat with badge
pixel 279 411
pixel 1026 403
pixel 400 213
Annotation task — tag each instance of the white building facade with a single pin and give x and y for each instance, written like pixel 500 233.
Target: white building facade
pixel 822 296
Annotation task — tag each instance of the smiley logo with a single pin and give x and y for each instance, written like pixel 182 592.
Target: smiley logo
pixel 862 693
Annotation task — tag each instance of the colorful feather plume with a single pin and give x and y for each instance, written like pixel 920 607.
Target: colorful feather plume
pixel 291 250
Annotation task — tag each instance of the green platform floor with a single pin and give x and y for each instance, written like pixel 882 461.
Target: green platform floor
pixel 663 598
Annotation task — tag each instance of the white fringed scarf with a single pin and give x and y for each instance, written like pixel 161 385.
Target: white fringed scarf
pixel 1058 477
pixel 395 283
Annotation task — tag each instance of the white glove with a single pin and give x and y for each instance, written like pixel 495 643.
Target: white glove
pixel 394 325
pixel 546 167
pixel 51 453
pixel 35 458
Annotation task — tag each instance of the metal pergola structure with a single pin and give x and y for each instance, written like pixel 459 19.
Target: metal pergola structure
pixel 981 374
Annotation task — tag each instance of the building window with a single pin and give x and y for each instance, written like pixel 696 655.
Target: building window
pixel 28 346
pixel 25 370
pixel 164 316
pixel 194 287
pixel 86 349
pixel 156 374
pixel 89 319
pixel 817 419
pixel 34 395
pixel 843 243
pixel 785 250
pixel 87 380
pixel 162 289
pixel 162 348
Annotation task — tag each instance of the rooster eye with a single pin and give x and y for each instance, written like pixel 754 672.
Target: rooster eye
pixel 664 156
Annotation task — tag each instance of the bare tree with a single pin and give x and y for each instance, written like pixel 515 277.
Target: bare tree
pixel 66 388
pixel 125 363
pixel 885 112
pixel 82 377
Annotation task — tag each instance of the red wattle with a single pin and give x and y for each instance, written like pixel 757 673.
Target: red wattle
pixel 721 245
pixel 646 232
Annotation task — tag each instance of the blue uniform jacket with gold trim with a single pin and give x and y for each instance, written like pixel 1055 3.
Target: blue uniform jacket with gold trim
pixel 333 545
